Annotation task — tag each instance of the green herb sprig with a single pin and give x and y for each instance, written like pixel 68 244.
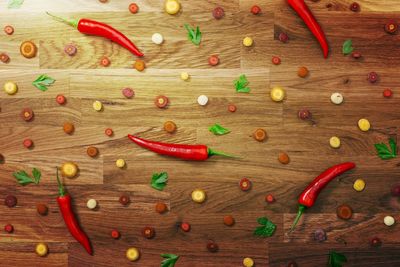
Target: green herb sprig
pixel 218 129
pixel 385 152
pixel 336 259
pixel 241 84
pixel 266 229
pixel 159 180
pixel 169 260
pixel 347 47
pixel 15 3
pixel 23 178
pixel 42 82
pixel 193 35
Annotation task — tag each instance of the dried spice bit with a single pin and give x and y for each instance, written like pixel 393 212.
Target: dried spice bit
pixel 8 29
pixel 132 254
pixel 9 228
pixel 105 62
pixel 248 262
pixel 148 232
pixel 248 41
pixel 375 242
pixel 27 114
pixel 10 88
pixel 302 72
pixel 269 198
pixel 356 55
pixel 69 169
pixel 231 108
pixel 387 93
pixel 161 207
pixel 10 201
pixel 4 58
pixel 139 65
pixel 276 60
pixel 213 60
pixel 277 94
pixel 42 209
pixel 344 212
pixel 28 143
pixel 255 10
pixel 185 226
pixel 319 235
pixel 388 220
pixel 260 135
pixel 199 196
pixel 283 158
pixel 169 126
pixel 68 127
pixel 161 101
pixel 133 8
pixel 115 234
pixel 218 13
pixel 391 27
pixel 70 50
pixel 359 185
pixel 212 247
pixel 92 151
pixel 128 92
pixel 229 220
pixel 355 7
pixel 120 163
pixel 60 99
pixel 245 184
pixel 283 37
pixel 372 77
pixel 28 49
pixel 109 132
pixel 124 200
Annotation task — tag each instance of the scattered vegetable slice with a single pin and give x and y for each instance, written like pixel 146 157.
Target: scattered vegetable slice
pixel 23 178
pixel 267 228
pixel 347 47
pixel 169 260
pixel 241 84
pixel 193 35
pixel 15 3
pixel 159 180
pixel 336 259
pixel 218 129
pixel 384 152
pixel 42 82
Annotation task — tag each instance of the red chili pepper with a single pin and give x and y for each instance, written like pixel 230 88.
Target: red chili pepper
pixel 305 14
pixel 64 202
pixel 310 194
pixel 93 27
pixel 187 152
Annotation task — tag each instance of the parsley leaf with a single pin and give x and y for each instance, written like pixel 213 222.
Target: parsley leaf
pixel 267 228
pixel 23 178
pixel 241 84
pixel 347 47
pixel 169 260
pixel 218 129
pixel 15 3
pixel 385 152
pixel 193 35
pixel 159 180
pixel 336 259
pixel 42 81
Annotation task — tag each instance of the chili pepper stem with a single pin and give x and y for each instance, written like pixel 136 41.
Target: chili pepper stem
pixel 61 189
pixel 300 212
pixel 217 153
pixel 71 22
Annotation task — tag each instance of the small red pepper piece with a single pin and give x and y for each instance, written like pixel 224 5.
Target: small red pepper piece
pixel 92 27
pixel 305 14
pixel 183 151
pixel 308 197
pixel 64 202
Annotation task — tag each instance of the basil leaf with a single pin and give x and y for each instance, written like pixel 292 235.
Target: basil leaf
pixel 22 178
pixel 42 82
pixel 383 150
pixel 393 146
pixel 267 229
pixel 241 84
pixel 159 180
pixel 169 260
pixel 15 3
pixel 36 175
pixel 193 35
pixel 336 259
pixel 347 47
pixel 218 129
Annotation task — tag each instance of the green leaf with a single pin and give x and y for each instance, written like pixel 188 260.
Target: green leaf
pixel 193 35
pixel 23 178
pixel 169 260
pixel 218 129
pixel 15 3
pixel 393 146
pixel 159 180
pixel 36 175
pixel 241 84
pixel 347 47
pixel 336 259
pixel 42 82
pixel 267 229
pixel 384 152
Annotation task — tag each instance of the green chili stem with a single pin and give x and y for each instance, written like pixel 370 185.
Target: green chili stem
pixel 61 189
pixel 302 208
pixel 71 22
pixel 217 153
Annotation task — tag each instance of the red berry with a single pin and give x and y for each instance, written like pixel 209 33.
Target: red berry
pixel 10 201
pixel 356 55
pixel 105 62
pixel 212 246
pixel 213 60
pixel 283 37
pixel 115 234
pixel 375 242
pixel 245 184
pixel 269 198
pixel 61 99
pixel 148 232
pixel 133 8
pixel 387 93
pixel 185 227
pixel 304 114
pixel 372 77
pixel 355 7
pixel 255 10
pixel 28 143
pixel 8 228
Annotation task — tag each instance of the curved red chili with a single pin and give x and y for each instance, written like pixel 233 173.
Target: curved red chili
pixel 306 15
pixel 187 152
pixel 308 197
pixel 92 27
pixel 64 202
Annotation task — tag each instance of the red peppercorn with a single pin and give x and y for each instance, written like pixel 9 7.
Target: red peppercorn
pixel 218 13
pixel 356 55
pixel 185 227
pixel 355 7
pixel 10 201
pixel 255 10
pixel 304 114
pixel 115 234
pixel 148 232
pixel 276 60
pixel 60 99
pixel 269 198
pixel 28 143
pixel 109 132
pixel 212 246
pixel 9 228
pixel 283 37
pixel 245 184
pixel 391 27
pixel 124 200
pixel 372 77
pixel 375 242
pixel 229 220
pixel 387 93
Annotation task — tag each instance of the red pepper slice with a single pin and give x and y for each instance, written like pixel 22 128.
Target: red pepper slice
pixel 306 15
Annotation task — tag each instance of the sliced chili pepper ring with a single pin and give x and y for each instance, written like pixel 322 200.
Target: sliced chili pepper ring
pixel 115 234
pixel 92 151
pixel 105 62
pixel 355 7
pixel 213 60
pixel 109 132
pixel 185 226
pixel 8 29
pixel 283 37
pixel 28 143
pixel 212 246
pixel 276 60
pixel 27 114
pixel 391 27
pixel 70 50
pixel 260 135
pixel 124 200
pixel 344 212
pixel 28 49
pixel 245 184
pixel 133 8
pixel 161 101
pixel 128 92
pixel 139 65
pixel 372 77
pixel 387 93
pixel 169 126
pixel 255 10
pixel 229 220
pixel 9 228
pixel 269 198
pixel 68 127
pixel 148 232
pixel 231 108
pixel 4 58
pixel 60 99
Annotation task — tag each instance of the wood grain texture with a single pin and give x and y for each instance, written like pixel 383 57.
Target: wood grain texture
pixel 83 80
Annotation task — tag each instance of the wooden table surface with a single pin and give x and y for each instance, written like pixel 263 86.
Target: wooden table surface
pixel 83 80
